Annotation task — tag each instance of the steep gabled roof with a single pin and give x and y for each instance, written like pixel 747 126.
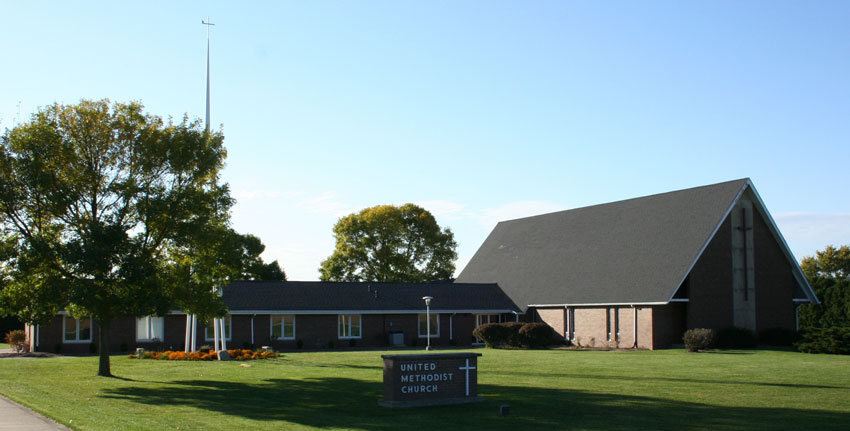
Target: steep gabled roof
pixel 635 251
pixel 318 297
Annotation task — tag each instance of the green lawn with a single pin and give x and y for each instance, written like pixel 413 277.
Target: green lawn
pixel 671 389
pixel 5 346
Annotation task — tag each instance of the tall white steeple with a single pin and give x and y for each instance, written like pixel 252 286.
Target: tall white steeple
pixel 207 118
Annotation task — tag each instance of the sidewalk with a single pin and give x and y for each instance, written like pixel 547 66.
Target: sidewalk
pixel 16 417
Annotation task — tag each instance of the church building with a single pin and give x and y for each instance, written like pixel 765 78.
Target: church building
pixel 630 274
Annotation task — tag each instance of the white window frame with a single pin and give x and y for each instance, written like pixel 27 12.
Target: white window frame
pixel 419 320
pixel 347 324
pixel 209 330
pixel 77 331
pixel 479 321
pixel 149 322
pixel 282 326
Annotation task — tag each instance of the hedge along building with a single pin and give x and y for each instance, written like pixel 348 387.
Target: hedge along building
pixel 305 314
pixel 639 272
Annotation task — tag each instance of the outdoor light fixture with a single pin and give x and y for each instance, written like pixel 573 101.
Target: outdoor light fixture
pixel 427 300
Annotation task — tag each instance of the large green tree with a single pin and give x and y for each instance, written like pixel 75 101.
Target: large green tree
pixel 107 211
pixel 390 243
pixel 829 274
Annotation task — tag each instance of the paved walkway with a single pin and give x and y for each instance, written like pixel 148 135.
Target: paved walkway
pixel 16 417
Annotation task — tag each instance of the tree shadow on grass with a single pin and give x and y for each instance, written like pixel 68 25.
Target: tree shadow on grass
pixel 350 403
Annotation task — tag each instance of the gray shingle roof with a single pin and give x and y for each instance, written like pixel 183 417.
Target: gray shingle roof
pixel 318 296
pixel 631 251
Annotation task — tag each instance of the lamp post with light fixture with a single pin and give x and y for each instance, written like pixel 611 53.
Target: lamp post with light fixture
pixel 428 319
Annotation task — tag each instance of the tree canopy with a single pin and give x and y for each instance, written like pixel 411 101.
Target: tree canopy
pixel 107 211
pixel 829 274
pixel 390 243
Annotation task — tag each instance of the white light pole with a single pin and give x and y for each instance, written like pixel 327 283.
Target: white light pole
pixel 428 319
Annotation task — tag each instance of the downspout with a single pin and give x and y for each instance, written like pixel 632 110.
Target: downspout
pixel 796 317
pixel 635 346
pixel 516 316
pixel 37 336
pixel 451 328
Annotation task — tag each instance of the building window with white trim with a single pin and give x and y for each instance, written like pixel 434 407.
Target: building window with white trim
pixel 209 334
pixel 434 323
pixel 283 326
pixel 76 330
pixel 349 326
pixel 482 319
pixel 150 328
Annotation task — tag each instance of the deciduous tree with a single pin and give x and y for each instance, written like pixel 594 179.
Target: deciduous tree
pixel 107 211
pixel 829 274
pixel 390 243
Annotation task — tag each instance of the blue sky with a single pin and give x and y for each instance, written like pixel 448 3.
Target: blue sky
pixel 480 111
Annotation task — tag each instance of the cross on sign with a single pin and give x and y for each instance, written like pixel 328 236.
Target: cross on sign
pixel 467 368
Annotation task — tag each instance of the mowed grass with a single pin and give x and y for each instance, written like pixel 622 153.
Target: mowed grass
pixel 594 390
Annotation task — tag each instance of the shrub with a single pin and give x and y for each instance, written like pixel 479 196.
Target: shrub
pixel 736 338
pixel 493 334
pixel 778 337
pixel 515 339
pixel 835 340
pixel 515 334
pixel 537 334
pixel 17 338
pixel 699 339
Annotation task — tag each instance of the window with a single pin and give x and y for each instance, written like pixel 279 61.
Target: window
pixel 150 328
pixel 349 326
pixel 481 319
pixel 283 326
pixel 433 323
pixel 76 330
pixel 210 330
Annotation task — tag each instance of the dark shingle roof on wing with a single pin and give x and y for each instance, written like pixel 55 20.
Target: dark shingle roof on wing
pixel 303 296
pixel 631 251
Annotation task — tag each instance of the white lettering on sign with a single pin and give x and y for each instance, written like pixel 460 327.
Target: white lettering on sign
pixel 417 376
pixel 418 389
pixel 434 377
pixel 418 366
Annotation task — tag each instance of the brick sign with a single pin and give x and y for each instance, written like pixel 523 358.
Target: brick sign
pixel 430 379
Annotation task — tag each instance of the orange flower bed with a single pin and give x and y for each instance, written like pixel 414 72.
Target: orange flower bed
pixel 236 354
pixel 247 355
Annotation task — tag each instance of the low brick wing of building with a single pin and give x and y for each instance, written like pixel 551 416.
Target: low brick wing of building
pixel 304 315
pixel 639 272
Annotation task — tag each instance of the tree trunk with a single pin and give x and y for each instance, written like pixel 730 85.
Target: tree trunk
pixel 103 349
